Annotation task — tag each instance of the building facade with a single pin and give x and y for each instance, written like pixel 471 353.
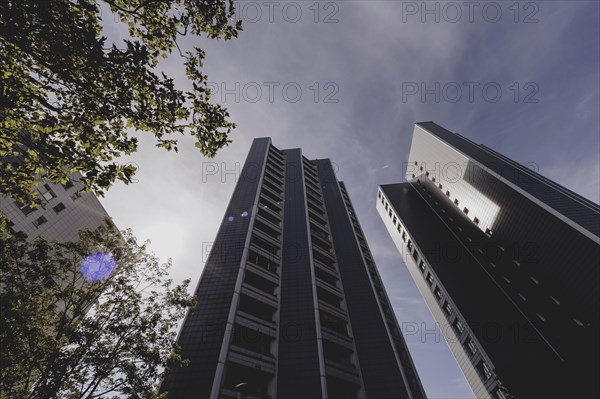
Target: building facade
pixel 290 303
pixel 507 262
pixel 65 210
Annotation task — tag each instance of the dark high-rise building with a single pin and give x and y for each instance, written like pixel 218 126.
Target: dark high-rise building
pixel 507 262
pixel 290 303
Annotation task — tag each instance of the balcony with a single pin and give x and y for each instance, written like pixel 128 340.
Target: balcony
pixel 327 277
pixel 252 342
pixel 271 216
pixel 339 357
pixel 264 242
pixel 257 378
pixel 271 194
pixel 318 228
pixel 257 308
pixel 257 293
pixel 258 282
pixel 267 203
pixel 333 323
pixel 267 263
pixel 324 245
pixel 273 185
pixel 330 295
pixel 318 216
pixel 267 228
pixel 326 264
pixel 275 172
pixel 316 209
pixel 314 196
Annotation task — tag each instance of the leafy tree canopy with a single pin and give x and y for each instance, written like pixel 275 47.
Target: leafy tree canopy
pixel 69 98
pixel 71 326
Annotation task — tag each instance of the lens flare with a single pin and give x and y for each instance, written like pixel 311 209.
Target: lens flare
pixel 98 266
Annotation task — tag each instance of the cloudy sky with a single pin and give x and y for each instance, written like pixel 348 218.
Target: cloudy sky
pixel 347 80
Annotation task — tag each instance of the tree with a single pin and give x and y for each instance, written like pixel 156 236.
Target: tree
pixel 94 318
pixel 70 100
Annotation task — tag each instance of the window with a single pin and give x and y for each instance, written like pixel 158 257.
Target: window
pixel 440 186
pixel 429 278
pixel 471 346
pixel 76 195
pixel 413 175
pixel 390 212
pixel 379 194
pixel 578 322
pixel 448 308
pixel 506 279
pixel 386 206
pixel 488 232
pixel 426 173
pixel 395 220
pixel 458 326
pixel 455 201
pixel 421 168
pixel 466 211
pixel 68 184
pixel 522 297
pixel 556 301
pixel 542 318
pixel 447 193
pixel 422 266
pixel 26 208
pixel 438 293
pixel 536 281
pixel 500 394
pixel 415 255
pixel 39 221
pixel 476 221
pixel 58 208
pixel 433 179
pixel 47 192
pixel 517 263
pixel 399 228
pixel 416 163
pixel 404 236
pixel 484 370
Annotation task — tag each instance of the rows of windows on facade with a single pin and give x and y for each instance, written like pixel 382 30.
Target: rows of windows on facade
pixel 506 260
pixel 65 209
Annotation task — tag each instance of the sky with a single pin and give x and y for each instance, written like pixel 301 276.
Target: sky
pixel 347 80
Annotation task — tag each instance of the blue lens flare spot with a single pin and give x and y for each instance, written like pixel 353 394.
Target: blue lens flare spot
pixel 230 218
pixel 245 214
pixel 98 266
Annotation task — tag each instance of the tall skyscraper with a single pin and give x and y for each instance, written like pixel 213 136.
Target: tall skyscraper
pixel 507 262
pixel 290 303
pixel 65 210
